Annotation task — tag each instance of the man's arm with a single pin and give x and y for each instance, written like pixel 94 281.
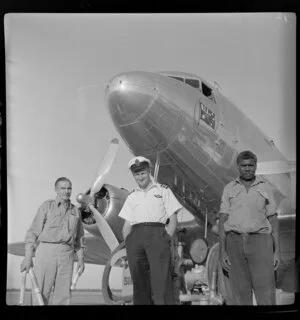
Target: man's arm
pixel 173 208
pixel 222 236
pixel 126 229
pixel 79 247
pixel 272 217
pixel 275 234
pixel 224 214
pixel 172 225
pixel 32 235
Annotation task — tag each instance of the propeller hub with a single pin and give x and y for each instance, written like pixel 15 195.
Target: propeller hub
pixel 83 198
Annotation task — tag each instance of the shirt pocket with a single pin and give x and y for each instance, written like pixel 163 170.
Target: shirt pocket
pixel 54 220
pixel 233 197
pixel 157 203
pixel 136 205
pixel 262 199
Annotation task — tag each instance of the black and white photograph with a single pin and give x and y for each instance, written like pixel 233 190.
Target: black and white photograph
pixel 151 158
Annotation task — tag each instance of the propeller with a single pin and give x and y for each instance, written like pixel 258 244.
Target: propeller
pixel 105 166
pixel 88 200
pixel 105 229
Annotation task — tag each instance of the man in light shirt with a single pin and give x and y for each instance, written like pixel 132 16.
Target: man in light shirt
pixel 55 235
pixel 150 213
pixel 249 237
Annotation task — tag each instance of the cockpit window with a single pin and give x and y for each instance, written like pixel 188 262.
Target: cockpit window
pixel 206 90
pixel 177 78
pixel 192 82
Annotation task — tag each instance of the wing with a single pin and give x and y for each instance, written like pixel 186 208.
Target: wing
pixel 275 167
pixel 16 248
pixel 97 251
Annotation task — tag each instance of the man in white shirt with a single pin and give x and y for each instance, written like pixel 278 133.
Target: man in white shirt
pixel 146 211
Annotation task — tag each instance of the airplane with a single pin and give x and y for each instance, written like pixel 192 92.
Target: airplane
pixel 192 134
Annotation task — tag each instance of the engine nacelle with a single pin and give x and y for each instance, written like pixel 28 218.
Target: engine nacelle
pixel 108 201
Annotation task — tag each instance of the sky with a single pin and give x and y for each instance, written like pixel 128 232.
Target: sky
pixel 57 68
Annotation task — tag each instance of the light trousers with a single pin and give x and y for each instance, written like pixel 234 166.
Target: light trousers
pixel 53 268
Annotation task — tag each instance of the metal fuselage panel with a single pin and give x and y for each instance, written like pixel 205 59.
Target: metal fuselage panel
pixel 156 114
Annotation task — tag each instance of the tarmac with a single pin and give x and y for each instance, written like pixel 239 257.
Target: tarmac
pixel 79 297
pixel 95 297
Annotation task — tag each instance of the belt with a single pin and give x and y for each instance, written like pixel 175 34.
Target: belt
pixel 62 243
pixel 242 233
pixel 148 224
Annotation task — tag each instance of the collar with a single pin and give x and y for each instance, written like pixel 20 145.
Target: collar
pixel 256 181
pixel 59 202
pixel 152 184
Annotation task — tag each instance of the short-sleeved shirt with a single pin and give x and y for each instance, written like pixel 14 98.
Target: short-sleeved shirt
pixel 248 210
pixel 56 222
pixel 154 204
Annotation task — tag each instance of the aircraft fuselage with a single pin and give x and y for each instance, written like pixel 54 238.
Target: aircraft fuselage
pixel 196 133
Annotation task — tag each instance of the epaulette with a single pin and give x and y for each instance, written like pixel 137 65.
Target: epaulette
pixel 132 191
pixel 164 186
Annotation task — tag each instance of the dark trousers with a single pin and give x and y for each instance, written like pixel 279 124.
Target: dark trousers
pixel 149 257
pixel 251 258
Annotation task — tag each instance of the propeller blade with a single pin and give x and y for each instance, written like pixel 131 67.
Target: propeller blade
pixel 86 200
pixel 105 166
pixel 105 229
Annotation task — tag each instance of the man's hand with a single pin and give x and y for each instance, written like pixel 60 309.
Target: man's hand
pixel 26 264
pixel 225 262
pixel 80 266
pixel 172 225
pixel 276 260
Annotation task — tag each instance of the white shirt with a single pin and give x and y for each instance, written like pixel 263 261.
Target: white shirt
pixel 154 204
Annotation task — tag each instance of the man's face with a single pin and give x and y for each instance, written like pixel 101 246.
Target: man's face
pixel 142 178
pixel 247 169
pixel 64 190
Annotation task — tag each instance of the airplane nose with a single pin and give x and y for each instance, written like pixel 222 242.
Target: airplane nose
pixel 128 97
pixel 138 107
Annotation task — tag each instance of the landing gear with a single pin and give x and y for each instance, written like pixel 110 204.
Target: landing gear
pixel 118 259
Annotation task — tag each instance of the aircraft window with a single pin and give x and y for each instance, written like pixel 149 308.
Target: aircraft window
pixel 177 78
pixel 192 82
pixel 207 91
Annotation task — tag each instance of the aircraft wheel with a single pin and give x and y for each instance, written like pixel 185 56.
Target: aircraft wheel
pixel 115 261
